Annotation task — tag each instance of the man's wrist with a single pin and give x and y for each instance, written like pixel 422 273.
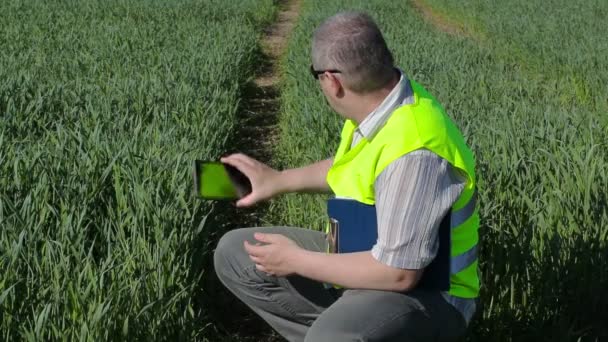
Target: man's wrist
pixel 298 257
pixel 283 182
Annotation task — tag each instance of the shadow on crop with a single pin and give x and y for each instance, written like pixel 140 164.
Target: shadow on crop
pixel 540 284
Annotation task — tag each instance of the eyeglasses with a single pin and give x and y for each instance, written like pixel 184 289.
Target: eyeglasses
pixel 316 73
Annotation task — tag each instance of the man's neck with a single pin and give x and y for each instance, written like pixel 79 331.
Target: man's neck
pixel 365 104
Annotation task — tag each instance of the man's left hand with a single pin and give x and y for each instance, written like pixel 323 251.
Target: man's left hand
pixel 275 256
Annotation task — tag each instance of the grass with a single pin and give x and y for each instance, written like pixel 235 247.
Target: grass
pixel 104 107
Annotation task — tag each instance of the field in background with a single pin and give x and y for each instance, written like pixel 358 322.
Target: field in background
pixel 104 105
pixel 525 82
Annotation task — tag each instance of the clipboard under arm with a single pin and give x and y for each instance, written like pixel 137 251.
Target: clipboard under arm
pixel 353 227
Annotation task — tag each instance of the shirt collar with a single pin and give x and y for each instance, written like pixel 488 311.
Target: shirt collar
pixel 376 119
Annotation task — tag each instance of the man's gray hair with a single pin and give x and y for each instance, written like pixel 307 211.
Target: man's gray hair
pixel 352 43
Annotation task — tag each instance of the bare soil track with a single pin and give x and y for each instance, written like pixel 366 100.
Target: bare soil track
pixel 439 21
pixel 255 136
pixel 261 103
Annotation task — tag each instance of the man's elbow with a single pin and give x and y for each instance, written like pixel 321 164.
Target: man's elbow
pixel 406 280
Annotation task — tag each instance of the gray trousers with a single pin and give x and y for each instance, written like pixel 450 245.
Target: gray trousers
pixel 301 309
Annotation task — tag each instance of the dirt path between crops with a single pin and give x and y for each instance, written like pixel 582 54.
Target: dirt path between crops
pixel 275 41
pixel 261 104
pixel 258 116
pixel 255 136
pixel 439 21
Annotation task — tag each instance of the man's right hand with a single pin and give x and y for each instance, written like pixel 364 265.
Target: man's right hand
pixel 265 181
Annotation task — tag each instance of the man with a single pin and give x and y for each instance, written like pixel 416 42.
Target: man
pixel 399 152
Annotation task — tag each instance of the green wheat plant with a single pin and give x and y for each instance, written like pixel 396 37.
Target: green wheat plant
pixel 104 105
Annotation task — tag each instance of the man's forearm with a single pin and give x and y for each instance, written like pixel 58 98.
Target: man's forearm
pixel 311 178
pixel 354 270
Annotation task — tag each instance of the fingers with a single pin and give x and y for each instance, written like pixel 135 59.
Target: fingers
pixel 247 201
pixel 277 239
pixel 262 177
pixel 240 159
pixel 245 168
pixel 250 249
pixel 260 237
pixel 268 238
pixel 253 250
pixel 245 159
pixel 256 258
pixel 248 167
pixel 263 269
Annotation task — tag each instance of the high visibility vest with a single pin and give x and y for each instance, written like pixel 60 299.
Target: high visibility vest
pixel 420 125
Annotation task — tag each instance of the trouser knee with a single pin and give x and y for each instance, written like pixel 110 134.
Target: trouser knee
pixel 230 258
pixel 329 333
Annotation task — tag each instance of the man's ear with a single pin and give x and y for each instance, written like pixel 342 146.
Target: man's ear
pixel 335 85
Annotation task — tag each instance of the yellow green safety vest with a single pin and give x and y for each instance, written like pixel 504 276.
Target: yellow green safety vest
pixel 422 124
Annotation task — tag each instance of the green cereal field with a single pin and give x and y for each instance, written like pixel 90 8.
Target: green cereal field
pixel 104 106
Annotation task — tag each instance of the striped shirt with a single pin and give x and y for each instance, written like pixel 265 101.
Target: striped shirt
pixel 413 195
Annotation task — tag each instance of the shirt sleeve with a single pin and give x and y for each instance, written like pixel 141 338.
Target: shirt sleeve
pixel 413 194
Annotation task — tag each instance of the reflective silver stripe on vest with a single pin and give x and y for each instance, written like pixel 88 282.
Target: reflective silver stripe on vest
pixel 462 261
pixel 463 214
